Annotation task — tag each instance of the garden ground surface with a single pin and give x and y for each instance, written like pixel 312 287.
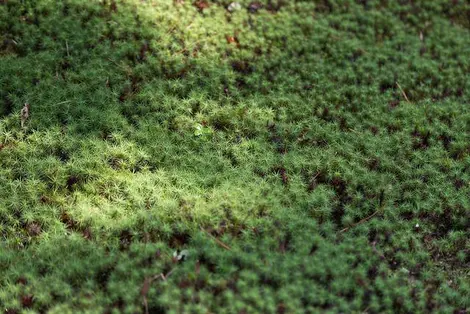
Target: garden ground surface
pixel 280 156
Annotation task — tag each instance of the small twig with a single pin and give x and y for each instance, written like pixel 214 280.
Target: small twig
pixel 185 49
pixel 220 243
pixel 161 275
pixel 165 277
pixel 375 250
pixel 144 291
pixel 360 221
pixel 67 46
pixel 403 92
pixel 146 305
pixel 122 67
pixel 115 62
pixel 147 282
pixel 63 102
pixel 316 175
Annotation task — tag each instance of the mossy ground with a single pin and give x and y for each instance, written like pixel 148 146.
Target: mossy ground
pixel 311 156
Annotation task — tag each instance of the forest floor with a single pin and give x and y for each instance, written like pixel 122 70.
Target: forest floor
pixel 209 156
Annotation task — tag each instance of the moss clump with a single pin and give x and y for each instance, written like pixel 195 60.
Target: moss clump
pixel 306 156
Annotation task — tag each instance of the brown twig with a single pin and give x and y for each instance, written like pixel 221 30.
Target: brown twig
pixel 361 221
pixel 125 68
pixel 375 250
pixel 403 92
pixel 146 287
pixel 67 46
pixel 220 243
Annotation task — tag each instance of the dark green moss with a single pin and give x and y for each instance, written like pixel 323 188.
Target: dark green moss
pixel 284 157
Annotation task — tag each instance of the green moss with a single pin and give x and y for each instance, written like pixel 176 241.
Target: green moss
pixel 311 156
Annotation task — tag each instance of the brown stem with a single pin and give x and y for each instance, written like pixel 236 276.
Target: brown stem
pixel 220 243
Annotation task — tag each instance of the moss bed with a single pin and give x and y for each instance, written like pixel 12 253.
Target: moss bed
pixel 275 156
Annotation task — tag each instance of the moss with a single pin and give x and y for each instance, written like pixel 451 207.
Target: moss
pixel 306 156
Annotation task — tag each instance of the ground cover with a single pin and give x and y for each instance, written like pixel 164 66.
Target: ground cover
pixel 250 157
